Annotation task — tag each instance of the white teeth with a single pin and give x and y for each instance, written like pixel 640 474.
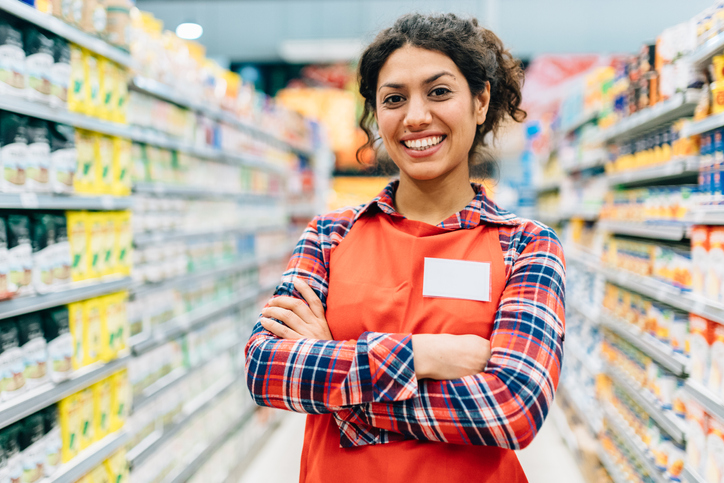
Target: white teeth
pixel 422 144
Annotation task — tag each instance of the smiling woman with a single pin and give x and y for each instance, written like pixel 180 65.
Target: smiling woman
pixel 422 332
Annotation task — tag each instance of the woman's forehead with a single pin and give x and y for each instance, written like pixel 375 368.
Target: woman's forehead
pixel 414 65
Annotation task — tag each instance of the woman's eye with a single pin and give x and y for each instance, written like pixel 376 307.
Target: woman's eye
pixel 393 99
pixel 440 91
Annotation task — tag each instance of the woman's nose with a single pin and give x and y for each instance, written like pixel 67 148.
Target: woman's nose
pixel 418 114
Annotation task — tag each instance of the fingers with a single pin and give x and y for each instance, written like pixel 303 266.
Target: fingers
pixel 289 318
pixel 310 296
pixel 278 329
pixel 295 305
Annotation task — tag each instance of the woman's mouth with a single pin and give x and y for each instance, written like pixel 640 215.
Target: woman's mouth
pixel 423 144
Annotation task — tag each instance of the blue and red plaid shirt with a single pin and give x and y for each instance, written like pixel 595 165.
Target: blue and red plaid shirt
pixel 370 385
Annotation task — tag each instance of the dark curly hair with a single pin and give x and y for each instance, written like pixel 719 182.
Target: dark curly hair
pixel 476 51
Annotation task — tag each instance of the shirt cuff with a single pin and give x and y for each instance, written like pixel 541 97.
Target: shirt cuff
pixel 391 366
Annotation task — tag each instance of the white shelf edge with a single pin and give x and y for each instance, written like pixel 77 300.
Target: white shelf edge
pixel 194 192
pixel 714 405
pixel 692 476
pixel 704 53
pixel 592 428
pixel 72 34
pixel 659 231
pixel 140 239
pixel 673 169
pixel 45 201
pixel 611 468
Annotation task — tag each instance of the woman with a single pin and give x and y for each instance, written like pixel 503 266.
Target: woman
pixel 422 332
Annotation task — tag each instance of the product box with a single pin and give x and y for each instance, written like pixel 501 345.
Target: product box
pixel 87 418
pixel 715 272
pixel 108 244
pixel 85 175
pixel 94 105
pixel 122 164
pixel 123 242
pixel 716 370
pixel 12 70
pixel 34 347
pixel 63 158
pixel 76 314
pixel 12 363
pixel 78 90
pixel 71 426
pixel 96 244
pixel 92 330
pixel 100 475
pixel 56 327
pixel 53 439
pixel 78 234
pixel 20 255
pixel 700 257
pixel 120 399
pixel 102 405
pixel 117 467
pixel 714 465
pixel 699 343
pixel 104 165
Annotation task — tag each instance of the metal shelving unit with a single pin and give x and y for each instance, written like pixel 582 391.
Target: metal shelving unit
pixel 142 239
pixel 705 125
pixel 673 231
pixel 39 201
pixel 714 404
pixel 703 55
pixel 75 293
pixel 43 396
pixel 89 458
pixel 194 192
pixel 613 470
pixel 580 121
pixel 593 368
pixel 674 427
pixel 692 476
pixel 673 170
pixel 663 354
pixel 590 160
pixel 707 215
pixel 678 106
pixel 594 319
pixel 62 29
pixel 594 429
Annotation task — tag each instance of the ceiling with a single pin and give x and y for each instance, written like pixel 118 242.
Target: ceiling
pixel 254 30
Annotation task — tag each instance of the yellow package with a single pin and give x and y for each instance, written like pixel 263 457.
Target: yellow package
pixel 109 91
pixel 86 479
pixel 102 405
pixel 121 85
pixel 85 174
pixel 78 239
pixel 95 244
pixel 106 351
pixel 100 475
pixel 75 313
pixel 117 467
pixel 120 312
pixel 77 84
pixel 123 242
pixel 120 399
pixel 104 148
pixel 87 413
pixel 93 79
pixel 92 330
pixel 122 163
pixel 108 249
pixel 70 426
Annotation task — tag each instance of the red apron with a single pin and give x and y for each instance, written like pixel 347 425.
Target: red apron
pixel 375 284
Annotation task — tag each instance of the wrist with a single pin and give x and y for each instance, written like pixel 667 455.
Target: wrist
pixel 420 355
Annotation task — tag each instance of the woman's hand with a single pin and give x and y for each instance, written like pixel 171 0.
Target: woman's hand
pixel 447 356
pixel 300 321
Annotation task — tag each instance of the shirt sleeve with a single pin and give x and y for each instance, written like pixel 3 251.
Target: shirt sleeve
pixel 506 404
pixel 315 376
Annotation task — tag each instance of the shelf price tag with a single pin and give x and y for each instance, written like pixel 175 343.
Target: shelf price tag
pixel 29 201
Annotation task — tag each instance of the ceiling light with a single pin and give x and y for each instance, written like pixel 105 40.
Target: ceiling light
pixel 189 31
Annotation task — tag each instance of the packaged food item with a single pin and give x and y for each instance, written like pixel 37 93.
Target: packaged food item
pixel 75 318
pixel 92 330
pixel 676 457
pixel 108 255
pixel 87 417
pixel 122 95
pixel 93 17
pixel 71 426
pixel 118 16
pixel 60 74
pixel 118 321
pixel 122 164
pixel 38 161
pixel 63 158
pixel 699 342
pixel 120 399
pixel 38 47
pixel 13 151
pixel 108 89
pixel 85 175
pixel 32 448
pixel 12 57
pixel 102 405
pixel 53 439
pixel 56 327
pixel 5 291
pixel 678 331
pixel 104 165
pixel 42 240
pixel 123 242
pixel 716 371
pixel 34 347
pixel 20 254
pixel 11 360
pixel 713 283
pixel 100 475
pixel 93 79
pixel 714 466
pixel 78 85
pixel 78 229
pixel 96 244
pixel 61 257
pixel 117 467
pixel 11 443
pixel 697 429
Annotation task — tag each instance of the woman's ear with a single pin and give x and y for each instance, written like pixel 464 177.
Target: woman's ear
pixel 482 101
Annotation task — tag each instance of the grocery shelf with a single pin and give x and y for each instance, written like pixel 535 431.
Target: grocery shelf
pixel 189 321
pixel 637 446
pixel 62 29
pixel 233 476
pixel 43 396
pixel 592 367
pixel 706 215
pixel 211 448
pixel 76 292
pixel 663 354
pixel 577 255
pixel 583 119
pixel 591 159
pixel 195 192
pixel 147 447
pixel 703 55
pixel 705 125
pixel 88 459
pixel 613 471
pixel 155 237
pixel 661 230
pixel 593 428
pixel 575 305
pixel 691 476
pixel 165 92
pixel 669 422
pixel 714 404
pixel 677 106
pixel 549 186
pixel 676 169
pixel 38 201
pixel 586 214
pixel 550 219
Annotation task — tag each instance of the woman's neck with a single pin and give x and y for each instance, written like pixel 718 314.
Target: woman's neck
pixel 433 201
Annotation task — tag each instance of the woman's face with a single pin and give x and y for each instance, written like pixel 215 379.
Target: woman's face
pixel 426 115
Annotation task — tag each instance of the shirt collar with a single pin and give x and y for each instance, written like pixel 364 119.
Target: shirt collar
pixel 480 210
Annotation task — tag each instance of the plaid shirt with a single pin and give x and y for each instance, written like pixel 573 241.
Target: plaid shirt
pixel 370 384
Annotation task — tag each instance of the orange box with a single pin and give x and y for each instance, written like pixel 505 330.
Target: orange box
pixel 699 347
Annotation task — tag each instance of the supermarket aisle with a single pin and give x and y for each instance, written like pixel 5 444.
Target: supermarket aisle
pixel 546 460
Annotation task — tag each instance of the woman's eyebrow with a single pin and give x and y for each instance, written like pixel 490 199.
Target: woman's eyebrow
pixel 429 80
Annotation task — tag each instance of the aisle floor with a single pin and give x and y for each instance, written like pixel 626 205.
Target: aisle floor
pixel 546 459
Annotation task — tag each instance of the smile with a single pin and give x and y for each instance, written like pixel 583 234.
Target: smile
pixel 424 143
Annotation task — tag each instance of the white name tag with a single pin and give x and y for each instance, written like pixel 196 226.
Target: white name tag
pixel 456 279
